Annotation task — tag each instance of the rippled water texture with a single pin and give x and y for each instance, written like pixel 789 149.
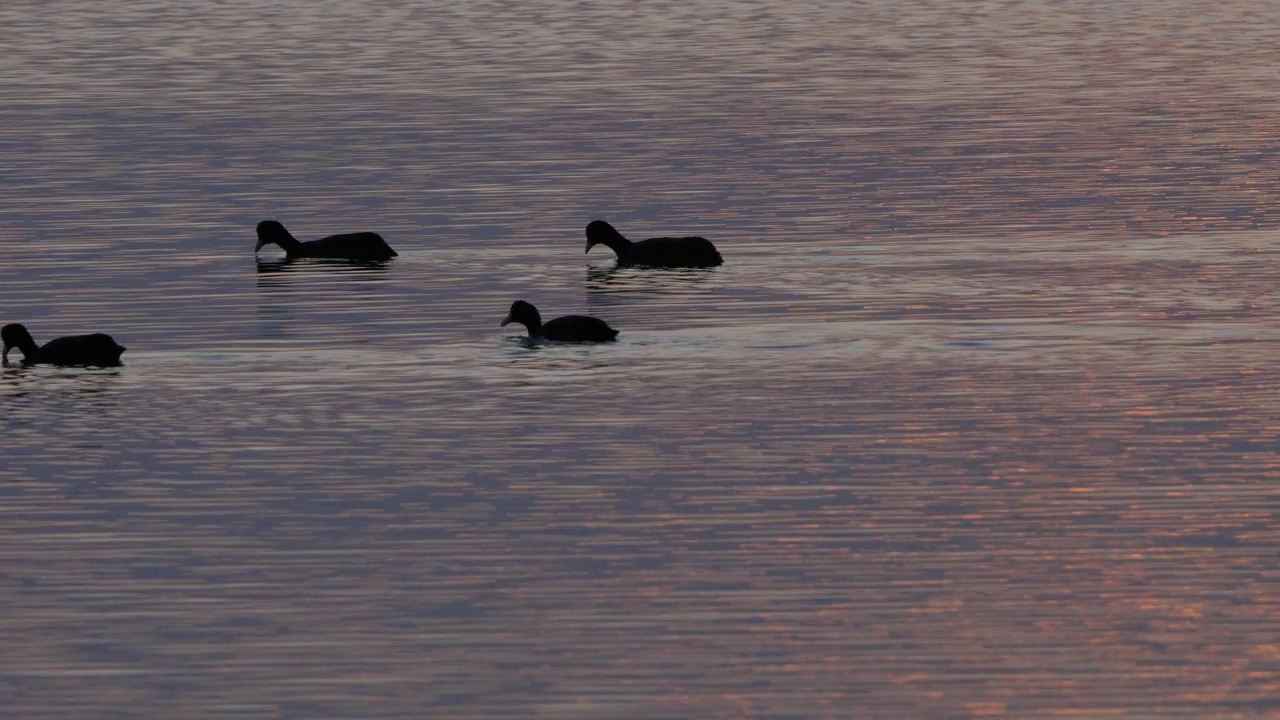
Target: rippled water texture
pixel 978 419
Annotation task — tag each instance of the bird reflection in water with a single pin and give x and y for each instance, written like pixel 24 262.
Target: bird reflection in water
pixel 361 269
pixel 619 286
pixel 285 285
pixel 83 387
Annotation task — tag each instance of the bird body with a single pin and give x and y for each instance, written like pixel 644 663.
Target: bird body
pixel 654 252
pixel 95 349
pixel 364 246
pixel 578 328
pixel 567 328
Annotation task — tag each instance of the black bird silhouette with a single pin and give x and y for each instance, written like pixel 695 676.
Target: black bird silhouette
pixel 569 328
pixel 654 252
pixel 366 246
pixel 95 349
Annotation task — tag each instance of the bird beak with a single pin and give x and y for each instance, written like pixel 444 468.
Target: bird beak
pixel 505 321
pixel 589 245
pixel 4 357
pixel 259 246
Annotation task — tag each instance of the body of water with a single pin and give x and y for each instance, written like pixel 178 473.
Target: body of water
pixel 978 419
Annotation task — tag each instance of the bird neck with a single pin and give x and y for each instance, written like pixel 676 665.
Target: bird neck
pixel 286 240
pixel 26 345
pixel 615 242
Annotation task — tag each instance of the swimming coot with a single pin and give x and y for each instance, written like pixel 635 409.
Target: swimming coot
pixel 570 328
pixel 95 349
pixel 366 246
pixel 654 252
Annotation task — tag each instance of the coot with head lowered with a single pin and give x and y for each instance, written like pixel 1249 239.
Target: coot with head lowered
pixel 569 328
pixel 365 246
pixel 95 349
pixel 654 252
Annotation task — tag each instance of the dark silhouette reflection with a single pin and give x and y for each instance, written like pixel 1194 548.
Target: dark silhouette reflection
pixel 26 385
pixel 543 345
pixel 296 265
pixel 622 277
pixel 545 355
pixel 524 341
pixel 289 290
pixel 620 286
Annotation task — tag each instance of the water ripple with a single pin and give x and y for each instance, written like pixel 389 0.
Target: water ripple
pixel 976 420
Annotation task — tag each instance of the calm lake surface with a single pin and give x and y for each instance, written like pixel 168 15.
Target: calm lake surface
pixel 978 419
